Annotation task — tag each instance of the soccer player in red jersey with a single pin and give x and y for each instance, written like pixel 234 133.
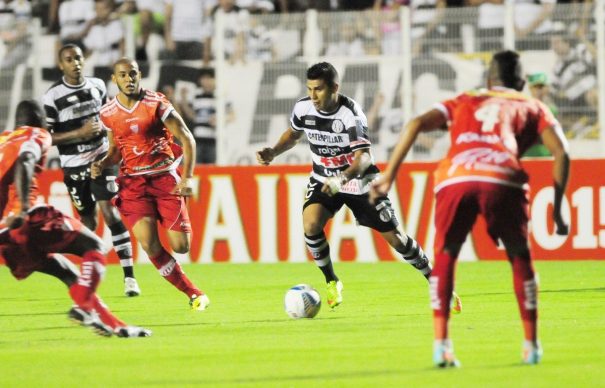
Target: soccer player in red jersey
pixel 141 126
pixel 31 235
pixel 489 129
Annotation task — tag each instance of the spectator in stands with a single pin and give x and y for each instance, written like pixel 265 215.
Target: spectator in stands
pixel 14 20
pixel 260 42
pixel 574 83
pixel 256 6
pixel 390 29
pixel 533 24
pixel 74 16
pixel 429 33
pixel 539 89
pixel 490 23
pixel 105 37
pixel 188 30
pixel 237 27
pixel 348 40
pixel 202 112
pixel 149 18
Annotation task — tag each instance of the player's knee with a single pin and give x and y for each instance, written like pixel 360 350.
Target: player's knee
pixel 180 246
pixel 150 246
pixel 90 221
pixel 312 228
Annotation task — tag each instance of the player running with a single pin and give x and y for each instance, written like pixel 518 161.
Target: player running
pixel 72 108
pixel 141 126
pixel 489 129
pixel 343 167
pixel 31 235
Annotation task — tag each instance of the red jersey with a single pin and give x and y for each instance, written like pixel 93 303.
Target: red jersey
pixel 489 131
pixel 146 146
pixel 12 144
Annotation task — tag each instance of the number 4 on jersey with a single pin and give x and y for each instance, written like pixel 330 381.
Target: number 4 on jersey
pixel 489 116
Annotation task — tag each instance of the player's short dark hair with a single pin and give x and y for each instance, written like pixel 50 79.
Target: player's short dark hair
pixel 30 113
pixel 123 61
pixel 506 67
pixel 206 72
pixel 67 47
pixel 325 72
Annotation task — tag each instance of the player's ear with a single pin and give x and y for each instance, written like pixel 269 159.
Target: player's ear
pixel 335 88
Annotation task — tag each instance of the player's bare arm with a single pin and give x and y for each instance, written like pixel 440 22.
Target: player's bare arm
pixel 433 119
pixel 112 157
pixel 287 140
pixel 175 124
pixel 361 161
pixel 24 171
pixel 555 141
pixel 90 130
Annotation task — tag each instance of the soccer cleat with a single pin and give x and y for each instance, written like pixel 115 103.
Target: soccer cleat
pixel 132 332
pixel 89 319
pixel 131 287
pixel 532 353
pixel 443 355
pixel 334 289
pixel 199 303
pixel 455 304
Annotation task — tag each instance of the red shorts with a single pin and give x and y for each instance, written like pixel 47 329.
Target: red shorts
pixel 46 231
pixel 150 195
pixel 506 212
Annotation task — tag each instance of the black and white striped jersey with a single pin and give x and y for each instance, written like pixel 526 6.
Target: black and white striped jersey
pixel 67 108
pixel 333 138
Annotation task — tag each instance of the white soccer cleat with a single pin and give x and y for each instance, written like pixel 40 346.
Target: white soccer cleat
pixel 132 332
pixel 89 319
pixel 531 353
pixel 199 303
pixel 131 287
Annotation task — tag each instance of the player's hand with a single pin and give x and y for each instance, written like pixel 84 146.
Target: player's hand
pixel 96 169
pixel 379 188
pixel 265 156
pixel 561 227
pixel 90 129
pixel 184 187
pixel 333 185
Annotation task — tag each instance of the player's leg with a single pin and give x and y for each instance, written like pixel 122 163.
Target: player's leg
pixel 146 232
pixel 77 180
pixel 507 216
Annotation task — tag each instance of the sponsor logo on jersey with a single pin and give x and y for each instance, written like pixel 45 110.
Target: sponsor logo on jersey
pixel 325 137
pixel 336 161
pixel 309 122
pixel 134 128
pixel 73 99
pixel 337 126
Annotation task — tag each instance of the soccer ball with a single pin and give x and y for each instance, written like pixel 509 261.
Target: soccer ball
pixel 302 301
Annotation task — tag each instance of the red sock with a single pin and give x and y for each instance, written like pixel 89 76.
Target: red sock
pixel 91 272
pixel 526 290
pixel 441 283
pixel 171 270
pixel 106 316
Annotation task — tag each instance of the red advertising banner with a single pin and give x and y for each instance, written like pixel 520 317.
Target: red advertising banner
pixel 254 214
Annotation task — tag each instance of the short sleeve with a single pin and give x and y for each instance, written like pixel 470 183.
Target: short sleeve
pixel 447 107
pixel 357 129
pixel 296 121
pixel 52 115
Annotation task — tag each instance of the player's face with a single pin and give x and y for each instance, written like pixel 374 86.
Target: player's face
pixel 127 77
pixel 71 64
pixel 322 96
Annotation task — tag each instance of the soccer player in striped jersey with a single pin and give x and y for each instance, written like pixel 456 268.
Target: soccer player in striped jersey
pixel 489 129
pixel 343 168
pixel 141 127
pixel 72 108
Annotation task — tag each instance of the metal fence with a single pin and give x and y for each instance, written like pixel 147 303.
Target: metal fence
pixel 394 63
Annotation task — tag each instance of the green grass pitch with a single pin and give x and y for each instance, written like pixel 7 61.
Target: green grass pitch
pixel 381 336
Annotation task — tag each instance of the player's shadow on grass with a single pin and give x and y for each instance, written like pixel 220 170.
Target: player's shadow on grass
pixel 595 289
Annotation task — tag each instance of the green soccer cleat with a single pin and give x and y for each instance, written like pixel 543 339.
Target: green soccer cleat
pixel 334 289
pixel 199 303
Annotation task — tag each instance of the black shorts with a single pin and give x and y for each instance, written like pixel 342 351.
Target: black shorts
pixel 85 191
pixel 380 216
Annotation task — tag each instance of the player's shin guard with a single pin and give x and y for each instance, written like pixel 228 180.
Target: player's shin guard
pixel 526 290
pixel 441 285
pixel 121 243
pixel 320 250
pixel 413 254
pixel 171 270
pixel 92 270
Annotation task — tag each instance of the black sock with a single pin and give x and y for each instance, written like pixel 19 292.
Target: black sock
pixel 320 250
pixel 121 243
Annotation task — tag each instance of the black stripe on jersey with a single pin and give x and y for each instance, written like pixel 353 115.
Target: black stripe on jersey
pixel 77 97
pixel 74 149
pixel 347 103
pixel 72 124
pixel 333 171
pixel 320 123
